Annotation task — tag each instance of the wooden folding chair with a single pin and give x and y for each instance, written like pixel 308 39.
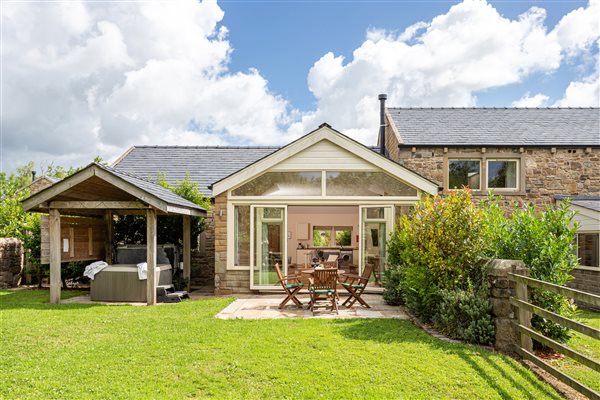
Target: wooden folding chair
pixel 355 285
pixel 323 286
pixel 291 285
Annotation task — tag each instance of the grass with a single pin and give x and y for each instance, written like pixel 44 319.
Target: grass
pixel 181 350
pixel 587 346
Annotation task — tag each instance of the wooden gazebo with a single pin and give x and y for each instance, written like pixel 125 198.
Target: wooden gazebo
pixel 98 191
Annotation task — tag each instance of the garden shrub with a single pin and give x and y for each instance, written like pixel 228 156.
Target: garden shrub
pixel 465 314
pixel 544 241
pixel 393 292
pixel 436 250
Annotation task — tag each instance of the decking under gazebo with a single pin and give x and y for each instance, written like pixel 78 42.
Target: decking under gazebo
pixel 100 192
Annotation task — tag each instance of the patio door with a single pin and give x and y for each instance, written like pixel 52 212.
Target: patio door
pixel 376 225
pixel 268 231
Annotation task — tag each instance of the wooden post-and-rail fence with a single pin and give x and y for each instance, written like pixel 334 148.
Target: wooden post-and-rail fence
pixel 526 334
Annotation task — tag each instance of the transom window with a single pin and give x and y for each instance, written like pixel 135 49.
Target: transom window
pixel 337 183
pixel 464 173
pixel 365 183
pixel 282 184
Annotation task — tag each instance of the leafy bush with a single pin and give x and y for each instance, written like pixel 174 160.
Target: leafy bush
pixel 544 241
pixel 393 292
pixel 436 250
pixel 466 315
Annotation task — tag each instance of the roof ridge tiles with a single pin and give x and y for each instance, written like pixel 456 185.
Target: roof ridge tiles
pixel 205 147
pixel 494 108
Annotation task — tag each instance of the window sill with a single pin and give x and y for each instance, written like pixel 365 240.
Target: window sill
pixel 495 192
pixel 586 268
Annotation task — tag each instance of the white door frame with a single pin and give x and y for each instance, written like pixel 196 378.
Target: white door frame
pixel 389 228
pixel 284 258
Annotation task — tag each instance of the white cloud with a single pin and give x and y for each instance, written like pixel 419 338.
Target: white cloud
pixel 584 93
pixel 538 100
pixel 445 62
pixel 86 79
pixel 82 79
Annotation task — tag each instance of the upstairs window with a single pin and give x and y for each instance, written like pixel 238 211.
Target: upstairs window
pixel 464 173
pixel 502 174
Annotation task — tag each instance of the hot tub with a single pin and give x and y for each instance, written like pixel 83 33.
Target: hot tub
pixel 120 282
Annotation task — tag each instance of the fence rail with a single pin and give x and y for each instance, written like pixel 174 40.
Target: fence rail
pixel 526 334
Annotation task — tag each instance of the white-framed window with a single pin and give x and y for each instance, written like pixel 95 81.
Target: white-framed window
pixel 332 236
pixel 502 174
pixel 588 249
pixel 464 172
pixel 241 236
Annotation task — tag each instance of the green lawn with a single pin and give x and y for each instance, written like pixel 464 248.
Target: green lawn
pixel 587 346
pixel 181 350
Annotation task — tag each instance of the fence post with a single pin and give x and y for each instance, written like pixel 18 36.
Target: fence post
pixel 524 316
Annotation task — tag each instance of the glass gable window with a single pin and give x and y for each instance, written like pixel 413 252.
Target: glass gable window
pixel 241 236
pixel 366 183
pixel 587 249
pixel 282 184
pixel 464 173
pixel 502 174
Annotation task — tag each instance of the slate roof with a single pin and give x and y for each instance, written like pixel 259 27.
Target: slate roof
pixel 500 127
pixel 205 164
pixel 152 188
pixel 589 202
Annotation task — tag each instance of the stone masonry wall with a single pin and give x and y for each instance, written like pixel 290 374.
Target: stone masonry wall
pixel 11 262
pixel 203 257
pixel 226 282
pixel 501 289
pixel 567 171
pixel 586 281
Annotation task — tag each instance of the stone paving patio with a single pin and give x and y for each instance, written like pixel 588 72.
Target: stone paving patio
pixel 266 307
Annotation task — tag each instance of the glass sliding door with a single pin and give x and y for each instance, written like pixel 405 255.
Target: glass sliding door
pixel 376 227
pixel 269 245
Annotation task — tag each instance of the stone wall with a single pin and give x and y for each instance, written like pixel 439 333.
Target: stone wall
pixel 203 256
pixel 226 281
pixel 548 172
pixel 586 281
pixel 501 289
pixel 11 262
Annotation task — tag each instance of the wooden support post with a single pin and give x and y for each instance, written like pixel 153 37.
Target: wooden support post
pixel 55 255
pixel 524 316
pixel 151 256
pixel 187 255
pixel 108 242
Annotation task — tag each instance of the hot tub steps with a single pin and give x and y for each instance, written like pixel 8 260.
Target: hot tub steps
pixel 167 294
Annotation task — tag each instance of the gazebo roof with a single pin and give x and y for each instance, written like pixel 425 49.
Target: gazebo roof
pixel 97 188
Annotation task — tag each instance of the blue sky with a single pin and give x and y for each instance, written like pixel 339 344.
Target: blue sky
pixel 283 39
pixel 82 79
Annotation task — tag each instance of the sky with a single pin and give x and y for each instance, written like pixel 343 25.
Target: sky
pixel 81 79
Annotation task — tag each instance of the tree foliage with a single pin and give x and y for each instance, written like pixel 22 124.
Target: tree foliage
pixel 131 229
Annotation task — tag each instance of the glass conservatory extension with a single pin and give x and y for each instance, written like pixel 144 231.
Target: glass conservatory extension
pixel 293 217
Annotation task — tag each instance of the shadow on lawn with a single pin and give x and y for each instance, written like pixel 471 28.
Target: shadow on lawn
pixel 37 299
pixel 395 331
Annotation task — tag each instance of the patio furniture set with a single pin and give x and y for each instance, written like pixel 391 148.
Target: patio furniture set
pixel 323 282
